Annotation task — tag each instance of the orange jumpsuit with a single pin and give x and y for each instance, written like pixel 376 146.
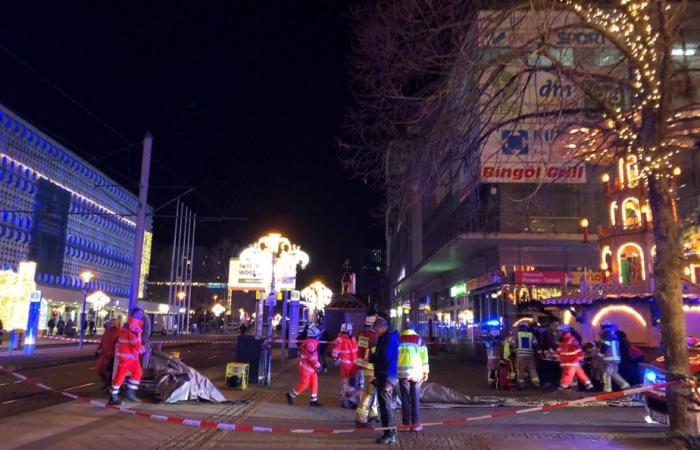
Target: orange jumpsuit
pixel 308 364
pixel 129 348
pixel 570 355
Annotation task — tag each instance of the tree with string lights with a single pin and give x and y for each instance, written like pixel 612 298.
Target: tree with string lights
pixel 432 89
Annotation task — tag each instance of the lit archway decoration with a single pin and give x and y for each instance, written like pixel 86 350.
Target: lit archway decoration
pixel 622 249
pixel 632 170
pixel 618 308
pixel 603 257
pixel 523 320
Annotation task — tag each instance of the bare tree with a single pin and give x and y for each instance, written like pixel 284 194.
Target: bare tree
pixel 437 82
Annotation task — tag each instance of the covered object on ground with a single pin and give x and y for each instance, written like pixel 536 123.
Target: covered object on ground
pixel 177 382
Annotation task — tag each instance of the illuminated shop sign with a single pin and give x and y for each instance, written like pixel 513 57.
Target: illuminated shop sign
pixel 458 289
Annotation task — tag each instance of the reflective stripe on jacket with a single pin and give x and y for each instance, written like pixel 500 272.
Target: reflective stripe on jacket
pixel 344 350
pixel 366 346
pixel 413 356
pixel 308 360
pixel 129 344
pixel 525 343
pixel 569 351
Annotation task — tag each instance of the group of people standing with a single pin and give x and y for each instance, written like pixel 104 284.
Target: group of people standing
pixel 379 363
pixel 536 355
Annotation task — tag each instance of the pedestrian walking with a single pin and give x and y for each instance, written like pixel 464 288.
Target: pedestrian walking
pixel 308 368
pixel 344 354
pixel 128 350
pixel 385 360
pixel 51 325
pixel 367 411
pixel 60 326
pixel 242 329
pixel 91 327
pixel 609 348
pixel 570 355
pixel 525 345
pixel 105 352
pixel 413 370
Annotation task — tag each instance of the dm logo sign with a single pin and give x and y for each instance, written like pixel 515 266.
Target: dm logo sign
pixel 515 142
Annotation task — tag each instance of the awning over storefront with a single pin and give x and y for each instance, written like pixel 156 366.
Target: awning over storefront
pixel 570 300
pixel 468 247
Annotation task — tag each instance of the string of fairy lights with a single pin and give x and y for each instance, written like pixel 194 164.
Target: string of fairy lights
pixel 628 24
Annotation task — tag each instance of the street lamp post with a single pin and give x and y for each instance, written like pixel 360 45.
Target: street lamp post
pixel 85 277
pixel 181 297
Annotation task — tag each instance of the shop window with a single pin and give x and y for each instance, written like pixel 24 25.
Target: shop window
pixel 630 261
pixel 631 214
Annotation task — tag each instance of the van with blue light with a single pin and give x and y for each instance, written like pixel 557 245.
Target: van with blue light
pixel 655 399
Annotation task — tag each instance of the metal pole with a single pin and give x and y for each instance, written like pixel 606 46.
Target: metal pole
pixel 183 271
pixel 171 289
pixel 178 267
pixel 140 221
pixel 82 316
pixel 189 288
pixel 285 295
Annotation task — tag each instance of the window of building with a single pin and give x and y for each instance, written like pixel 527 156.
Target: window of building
pixel 631 213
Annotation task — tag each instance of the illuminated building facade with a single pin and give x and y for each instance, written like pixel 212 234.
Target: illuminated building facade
pixel 65 215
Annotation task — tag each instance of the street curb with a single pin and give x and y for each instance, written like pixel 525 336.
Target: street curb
pixel 53 363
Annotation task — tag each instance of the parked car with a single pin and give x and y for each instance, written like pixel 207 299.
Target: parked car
pixel 655 399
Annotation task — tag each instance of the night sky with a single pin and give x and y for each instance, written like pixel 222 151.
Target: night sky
pixel 244 99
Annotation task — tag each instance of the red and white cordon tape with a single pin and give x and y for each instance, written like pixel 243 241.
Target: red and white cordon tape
pixel 199 423
pixel 172 341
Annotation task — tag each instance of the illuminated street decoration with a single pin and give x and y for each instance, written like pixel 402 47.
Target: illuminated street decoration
pixel 15 291
pixel 627 310
pixel 218 309
pixel 316 296
pixel 145 261
pixel 98 300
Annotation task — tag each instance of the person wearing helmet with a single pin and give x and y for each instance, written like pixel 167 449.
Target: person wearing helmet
pixel 105 352
pixel 308 367
pixel 129 348
pixel 344 354
pixel 367 408
pixel 570 355
pixel 525 343
pixel 609 350
pixel 493 343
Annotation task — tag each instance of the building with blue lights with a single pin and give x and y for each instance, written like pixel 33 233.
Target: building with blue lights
pixel 65 215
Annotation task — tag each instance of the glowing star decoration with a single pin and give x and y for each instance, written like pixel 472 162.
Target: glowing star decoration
pixel 218 309
pixel 15 290
pixel 316 296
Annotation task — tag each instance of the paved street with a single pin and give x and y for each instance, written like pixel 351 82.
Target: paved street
pixel 75 425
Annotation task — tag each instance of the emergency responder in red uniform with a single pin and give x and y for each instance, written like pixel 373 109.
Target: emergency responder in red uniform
pixel 105 352
pixel 570 355
pixel 367 411
pixel 344 354
pixel 308 368
pixel 129 348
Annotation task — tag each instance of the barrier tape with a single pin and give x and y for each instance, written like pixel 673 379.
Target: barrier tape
pixel 172 341
pixel 199 423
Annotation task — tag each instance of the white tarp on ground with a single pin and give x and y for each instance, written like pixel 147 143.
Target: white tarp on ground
pixel 178 382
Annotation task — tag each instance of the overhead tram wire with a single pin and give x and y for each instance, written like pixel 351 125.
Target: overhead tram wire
pixel 104 123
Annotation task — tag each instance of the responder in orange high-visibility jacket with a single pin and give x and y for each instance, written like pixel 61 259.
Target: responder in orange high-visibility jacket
pixel 570 355
pixel 309 365
pixel 129 348
pixel 344 354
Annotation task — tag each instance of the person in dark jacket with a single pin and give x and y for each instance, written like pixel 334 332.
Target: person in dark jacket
pixel 51 325
pixel 323 348
pixel 60 326
pixel 385 360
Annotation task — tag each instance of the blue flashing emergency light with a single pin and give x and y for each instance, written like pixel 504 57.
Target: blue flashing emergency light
pixel 651 376
pixel 493 323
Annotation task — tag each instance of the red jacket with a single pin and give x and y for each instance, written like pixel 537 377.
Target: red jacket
pixel 129 346
pixel 109 342
pixel 309 355
pixel 345 351
pixel 365 348
pixel 569 351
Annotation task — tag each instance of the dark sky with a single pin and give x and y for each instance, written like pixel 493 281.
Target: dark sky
pixel 244 99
